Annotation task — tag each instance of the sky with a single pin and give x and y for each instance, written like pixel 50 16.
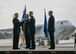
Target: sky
pixel 63 10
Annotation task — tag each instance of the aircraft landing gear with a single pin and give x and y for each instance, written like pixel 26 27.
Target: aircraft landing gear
pixel 57 41
pixel 75 42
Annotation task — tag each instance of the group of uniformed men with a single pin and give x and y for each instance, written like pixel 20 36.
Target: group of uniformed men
pixel 29 30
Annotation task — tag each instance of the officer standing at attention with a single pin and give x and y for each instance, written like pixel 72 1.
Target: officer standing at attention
pixel 51 29
pixel 16 31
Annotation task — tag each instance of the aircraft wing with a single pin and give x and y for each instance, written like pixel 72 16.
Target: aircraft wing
pixel 38 27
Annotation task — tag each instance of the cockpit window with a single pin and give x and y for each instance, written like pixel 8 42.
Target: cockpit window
pixel 67 22
pixel 61 22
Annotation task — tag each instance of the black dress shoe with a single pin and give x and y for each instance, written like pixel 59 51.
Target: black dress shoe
pixel 16 48
pixel 31 48
pixel 51 48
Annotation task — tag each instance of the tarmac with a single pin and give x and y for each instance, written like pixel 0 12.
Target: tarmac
pixel 64 45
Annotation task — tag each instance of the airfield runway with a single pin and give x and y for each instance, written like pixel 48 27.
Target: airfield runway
pixel 64 45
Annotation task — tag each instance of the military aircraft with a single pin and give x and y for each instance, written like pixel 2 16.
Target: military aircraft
pixel 63 31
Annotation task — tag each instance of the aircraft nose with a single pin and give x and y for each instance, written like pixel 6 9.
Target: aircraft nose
pixel 73 27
